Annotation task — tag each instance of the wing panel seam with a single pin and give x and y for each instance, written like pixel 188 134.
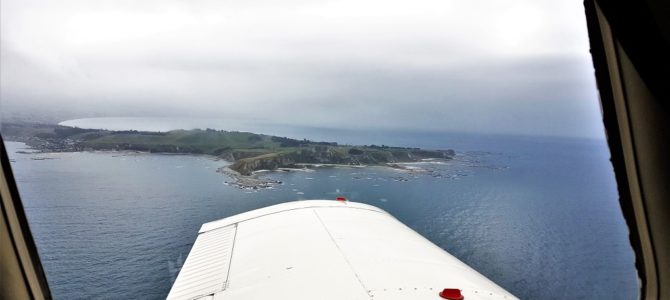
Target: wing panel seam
pixel 365 289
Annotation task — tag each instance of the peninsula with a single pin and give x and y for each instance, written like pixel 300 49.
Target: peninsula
pixel 247 151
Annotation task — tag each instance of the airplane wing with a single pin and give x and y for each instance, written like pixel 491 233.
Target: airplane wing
pixel 323 249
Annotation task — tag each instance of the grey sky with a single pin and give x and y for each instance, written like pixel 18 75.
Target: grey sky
pixel 485 66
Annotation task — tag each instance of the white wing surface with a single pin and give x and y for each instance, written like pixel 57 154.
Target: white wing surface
pixel 321 249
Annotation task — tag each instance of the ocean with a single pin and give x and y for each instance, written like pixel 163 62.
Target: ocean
pixel 537 215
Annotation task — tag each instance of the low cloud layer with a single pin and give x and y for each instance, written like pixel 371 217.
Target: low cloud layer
pixel 518 67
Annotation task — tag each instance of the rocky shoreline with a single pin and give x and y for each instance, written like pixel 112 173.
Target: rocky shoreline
pixel 248 152
pixel 256 180
pixel 251 182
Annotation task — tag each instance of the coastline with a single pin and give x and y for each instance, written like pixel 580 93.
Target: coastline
pixel 251 182
pixel 256 181
pixel 247 155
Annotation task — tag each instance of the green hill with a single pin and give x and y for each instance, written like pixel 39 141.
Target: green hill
pixel 248 151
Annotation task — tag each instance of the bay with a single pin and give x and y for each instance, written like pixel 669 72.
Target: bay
pixel 537 215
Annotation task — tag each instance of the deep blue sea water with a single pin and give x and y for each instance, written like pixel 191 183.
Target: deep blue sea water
pixel 539 216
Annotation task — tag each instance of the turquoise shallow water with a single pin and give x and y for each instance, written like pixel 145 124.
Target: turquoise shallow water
pixel 539 216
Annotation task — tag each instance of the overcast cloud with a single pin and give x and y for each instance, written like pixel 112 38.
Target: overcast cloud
pixel 518 67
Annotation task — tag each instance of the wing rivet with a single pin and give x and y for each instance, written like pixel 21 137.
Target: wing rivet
pixel 451 294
